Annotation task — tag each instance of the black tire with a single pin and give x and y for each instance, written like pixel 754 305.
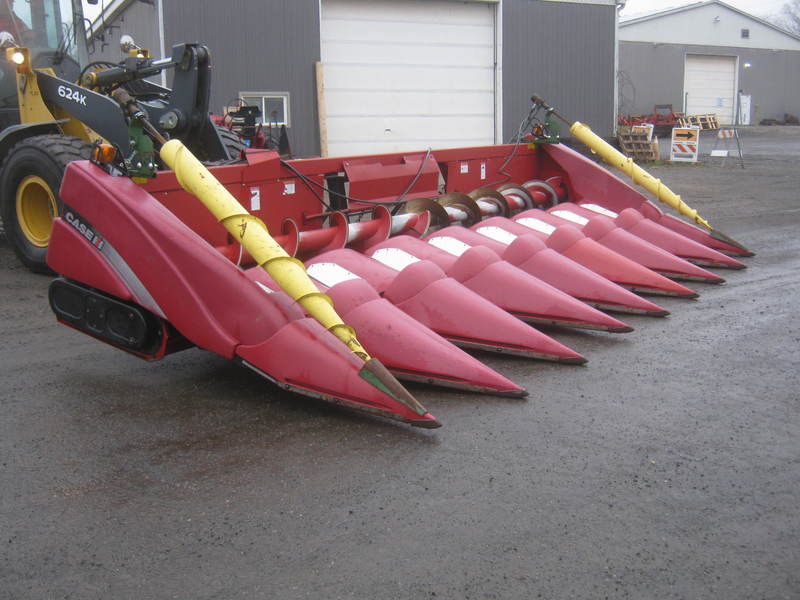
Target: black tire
pixel 232 142
pixel 34 169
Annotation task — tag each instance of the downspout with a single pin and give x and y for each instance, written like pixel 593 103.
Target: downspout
pixel 498 73
pixel 619 6
pixel 161 41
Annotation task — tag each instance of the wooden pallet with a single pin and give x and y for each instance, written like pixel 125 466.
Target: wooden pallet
pixel 709 121
pixel 638 147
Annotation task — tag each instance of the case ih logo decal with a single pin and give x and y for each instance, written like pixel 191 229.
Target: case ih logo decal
pixel 82 227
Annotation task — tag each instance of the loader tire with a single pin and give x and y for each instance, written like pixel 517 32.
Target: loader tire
pixel 232 142
pixel 29 201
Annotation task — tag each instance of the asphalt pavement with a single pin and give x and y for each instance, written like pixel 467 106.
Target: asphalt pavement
pixel 666 467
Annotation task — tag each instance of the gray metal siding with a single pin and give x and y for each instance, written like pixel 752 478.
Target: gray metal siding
pixel 268 46
pixel 650 74
pixel 655 72
pixel 137 19
pixel 564 52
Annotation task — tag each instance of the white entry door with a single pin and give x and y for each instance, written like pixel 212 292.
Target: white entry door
pixel 408 74
pixel 710 86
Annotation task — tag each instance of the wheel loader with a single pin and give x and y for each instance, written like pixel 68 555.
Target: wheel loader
pixel 57 104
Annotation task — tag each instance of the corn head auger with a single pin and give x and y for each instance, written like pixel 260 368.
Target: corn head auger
pixel 418 252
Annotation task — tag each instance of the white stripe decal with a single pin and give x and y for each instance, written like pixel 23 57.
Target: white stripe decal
pixel 497 234
pixel 570 216
pixel 449 244
pixel 329 274
pixel 600 210
pixel 537 225
pixel 394 258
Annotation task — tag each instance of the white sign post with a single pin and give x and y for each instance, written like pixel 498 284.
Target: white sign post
pixel 685 146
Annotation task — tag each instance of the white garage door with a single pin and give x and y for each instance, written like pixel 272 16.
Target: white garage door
pixel 407 74
pixel 710 86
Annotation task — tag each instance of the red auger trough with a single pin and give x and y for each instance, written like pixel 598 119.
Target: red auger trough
pixel 420 253
pixel 408 259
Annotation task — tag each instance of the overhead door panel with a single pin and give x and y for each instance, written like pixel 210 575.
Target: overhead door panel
pixel 407 74
pixel 710 85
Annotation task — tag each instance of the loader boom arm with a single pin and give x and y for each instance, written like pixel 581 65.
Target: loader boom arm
pixel 96 111
pixel 178 113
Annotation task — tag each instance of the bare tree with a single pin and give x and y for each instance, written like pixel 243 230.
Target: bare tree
pixel 789 18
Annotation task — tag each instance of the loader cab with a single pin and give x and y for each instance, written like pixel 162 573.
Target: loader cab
pixel 53 31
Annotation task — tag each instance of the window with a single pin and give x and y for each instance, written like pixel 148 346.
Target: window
pixel 745 34
pixel 274 106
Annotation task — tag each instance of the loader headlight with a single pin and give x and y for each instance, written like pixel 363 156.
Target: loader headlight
pixel 19 56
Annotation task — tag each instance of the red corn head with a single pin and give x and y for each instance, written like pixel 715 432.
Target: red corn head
pixel 409 349
pixel 604 230
pixel 422 290
pixel 569 241
pixel 309 360
pixel 672 241
pixel 485 273
pixel 531 254
pixel 592 183
pixel 712 239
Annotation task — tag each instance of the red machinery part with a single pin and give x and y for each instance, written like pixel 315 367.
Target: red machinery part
pixel 532 255
pixel 338 234
pixel 363 234
pixel 517 197
pixel 696 233
pixel 289 239
pixel 491 202
pixel 383 177
pixel 542 192
pixel 177 276
pixel 335 376
pixel 314 241
pixel 416 225
pixel 141 256
pixel 423 291
pixel 570 242
pixel 603 230
pixel 408 348
pixel 273 190
pixel 485 273
pixel 589 182
pixel 633 221
pixel 411 350
pixel 664 224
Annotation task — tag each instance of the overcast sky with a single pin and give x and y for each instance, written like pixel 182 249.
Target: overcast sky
pixel 759 8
